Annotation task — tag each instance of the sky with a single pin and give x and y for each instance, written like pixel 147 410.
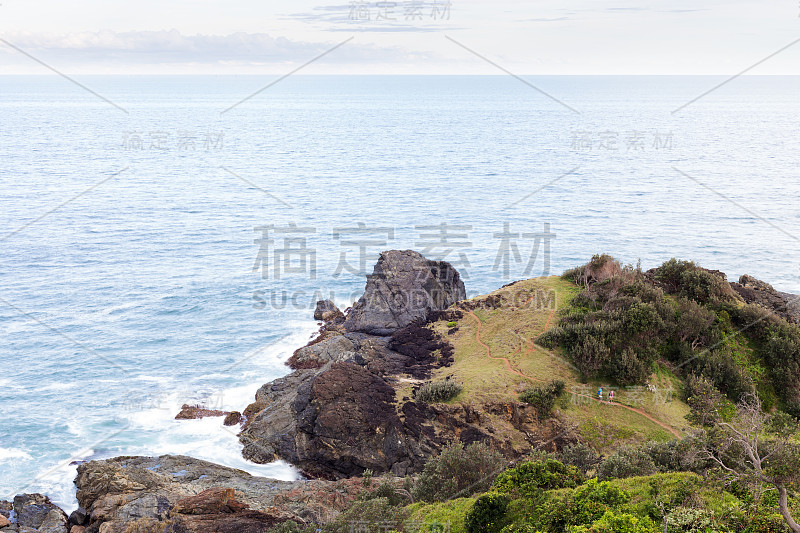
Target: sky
pixel 402 37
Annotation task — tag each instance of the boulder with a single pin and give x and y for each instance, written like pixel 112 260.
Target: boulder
pixel 36 512
pixel 233 418
pixel 327 311
pixel 4 522
pixel 404 287
pixel 77 529
pixel 78 517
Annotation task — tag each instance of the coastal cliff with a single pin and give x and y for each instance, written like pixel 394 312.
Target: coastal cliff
pixel 353 404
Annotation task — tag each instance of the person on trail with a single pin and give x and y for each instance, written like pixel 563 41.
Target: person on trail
pixel 600 394
pixel 611 396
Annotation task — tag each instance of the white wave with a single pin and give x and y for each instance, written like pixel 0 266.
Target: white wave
pixel 14 453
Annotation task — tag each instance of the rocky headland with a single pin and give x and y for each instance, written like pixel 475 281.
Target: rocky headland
pixel 348 406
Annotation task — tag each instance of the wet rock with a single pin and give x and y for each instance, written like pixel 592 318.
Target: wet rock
pixel 404 287
pixel 194 412
pixel 269 432
pixel 233 418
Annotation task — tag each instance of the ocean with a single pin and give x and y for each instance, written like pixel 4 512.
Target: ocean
pixel 163 243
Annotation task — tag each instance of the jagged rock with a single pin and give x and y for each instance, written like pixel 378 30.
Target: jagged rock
pixel 210 501
pixel 36 512
pixel 233 418
pixel 404 287
pixel 327 311
pixel 753 290
pixel 269 432
pixel 78 517
pixel 328 347
pixel 118 492
pixel 194 412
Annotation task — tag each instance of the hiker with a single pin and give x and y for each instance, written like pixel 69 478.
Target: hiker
pixel 611 397
pixel 600 394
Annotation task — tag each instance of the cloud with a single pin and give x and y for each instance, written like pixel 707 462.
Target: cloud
pixel 171 46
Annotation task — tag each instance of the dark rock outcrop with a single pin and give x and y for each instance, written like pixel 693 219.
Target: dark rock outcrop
pixel 336 414
pixel 233 418
pixel 404 287
pixel 36 514
pixel 752 290
pixel 327 311
pixel 79 517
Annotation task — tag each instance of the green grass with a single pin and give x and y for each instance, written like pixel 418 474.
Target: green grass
pixel 451 512
pixel 510 331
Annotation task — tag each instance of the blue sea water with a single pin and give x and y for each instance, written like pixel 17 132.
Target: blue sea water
pixel 128 242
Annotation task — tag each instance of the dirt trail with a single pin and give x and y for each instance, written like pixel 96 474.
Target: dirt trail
pixel 512 370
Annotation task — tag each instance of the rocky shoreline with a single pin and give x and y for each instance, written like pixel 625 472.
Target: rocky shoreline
pixel 347 407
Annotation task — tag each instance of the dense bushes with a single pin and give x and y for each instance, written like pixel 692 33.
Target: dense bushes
pixel 487 513
pixel 612 522
pixel 438 391
pixel 371 514
pixel 530 478
pixel 626 462
pixel 585 505
pixel 623 320
pixel 579 455
pixel 457 472
pixel 543 398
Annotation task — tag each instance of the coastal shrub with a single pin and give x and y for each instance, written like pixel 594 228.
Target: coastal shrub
pixel 688 520
pixel 487 514
pixel 543 398
pixel 579 455
pixel 626 462
pixel 673 456
pixel 706 404
pixel 438 391
pixel 581 506
pixel 458 471
pixel 529 479
pixel 387 488
pixel 371 515
pixel 612 522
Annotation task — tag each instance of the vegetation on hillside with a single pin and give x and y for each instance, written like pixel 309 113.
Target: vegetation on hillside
pixel 737 469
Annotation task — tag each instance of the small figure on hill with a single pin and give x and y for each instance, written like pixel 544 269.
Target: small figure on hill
pixel 600 394
pixel 611 396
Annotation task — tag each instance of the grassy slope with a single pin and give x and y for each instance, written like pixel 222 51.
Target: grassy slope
pixel 509 331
